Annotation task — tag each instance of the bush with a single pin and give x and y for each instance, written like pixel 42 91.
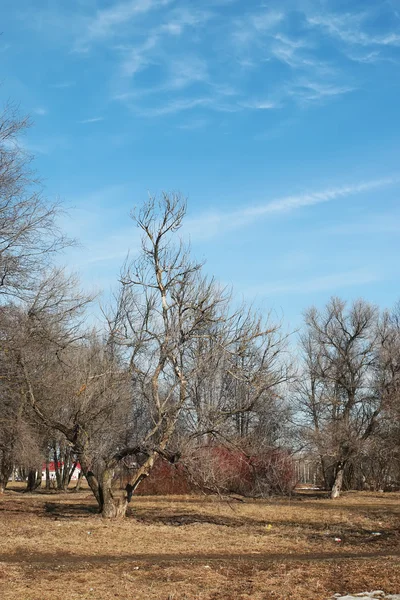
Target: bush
pixel 217 469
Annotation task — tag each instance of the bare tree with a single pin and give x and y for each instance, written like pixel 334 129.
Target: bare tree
pixel 175 327
pixel 35 336
pixel 127 398
pixel 336 389
pixel 29 234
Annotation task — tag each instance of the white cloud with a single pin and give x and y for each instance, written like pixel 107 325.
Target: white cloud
pixel 92 120
pixel 347 27
pixel 261 38
pixel 138 57
pixel 40 111
pixel 264 21
pixel 261 104
pixel 290 203
pixel 284 39
pixel 212 224
pixel 175 106
pixel 293 55
pixel 247 30
pixel 107 20
pixel 186 71
pixel 307 91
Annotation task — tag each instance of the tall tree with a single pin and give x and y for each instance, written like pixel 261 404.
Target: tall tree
pixel 29 233
pixel 336 393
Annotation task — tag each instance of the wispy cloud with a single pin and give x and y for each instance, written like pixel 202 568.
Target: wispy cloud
pixel 175 106
pixel 40 111
pixel 306 91
pixel 137 58
pixel 348 28
pixel 277 55
pixel 92 120
pixel 148 51
pixel 261 104
pixel 296 55
pixel 187 71
pixel 248 29
pixel 262 37
pixel 212 224
pixel 106 21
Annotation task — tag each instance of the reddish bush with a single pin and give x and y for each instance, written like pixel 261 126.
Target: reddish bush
pixel 232 471
pixel 224 470
pixel 273 473
pixel 165 479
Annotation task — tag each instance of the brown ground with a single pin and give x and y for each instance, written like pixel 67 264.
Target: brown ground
pixel 54 547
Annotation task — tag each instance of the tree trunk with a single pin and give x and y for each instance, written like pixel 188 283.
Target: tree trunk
pixel 79 481
pixel 92 483
pixel 6 469
pixel 34 480
pixel 3 483
pixel 113 506
pixel 71 472
pixel 4 477
pixel 47 476
pixel 65 478
pixel 338 484
pixel 328 472
pixel 56 468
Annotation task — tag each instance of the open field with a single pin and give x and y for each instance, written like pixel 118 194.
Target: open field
pixel 54 547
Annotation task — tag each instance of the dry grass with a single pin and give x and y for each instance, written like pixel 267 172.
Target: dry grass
pixel 54 547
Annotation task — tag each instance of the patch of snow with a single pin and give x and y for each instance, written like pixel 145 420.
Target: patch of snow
pixel 376 594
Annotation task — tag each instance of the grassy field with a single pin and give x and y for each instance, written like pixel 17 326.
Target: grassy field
pixel 188 548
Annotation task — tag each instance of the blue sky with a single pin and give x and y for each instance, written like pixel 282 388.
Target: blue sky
pixel 278 120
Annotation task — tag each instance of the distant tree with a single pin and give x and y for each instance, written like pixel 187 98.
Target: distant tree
pixel 29 233
pixel 337 385
pixel 36 334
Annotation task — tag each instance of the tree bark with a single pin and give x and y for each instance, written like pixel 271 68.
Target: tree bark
pixel 34 480
pixel 5 473
pixel 92 482
pixel 3 483
pixel 338 484
pixel 56 467
pixel 78 482
pixel 113 506
pixel 47 476
pixel 6 470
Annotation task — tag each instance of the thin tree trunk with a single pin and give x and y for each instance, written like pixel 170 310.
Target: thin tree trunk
pixel 6 469
pixel 91 479
pixel 338 484
pixel 66 469
pixel 56 468
pixel 47 476
pixel 34 480
pixel 72 471
pixel 79 481
pixel 5 474
pixel 3 483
